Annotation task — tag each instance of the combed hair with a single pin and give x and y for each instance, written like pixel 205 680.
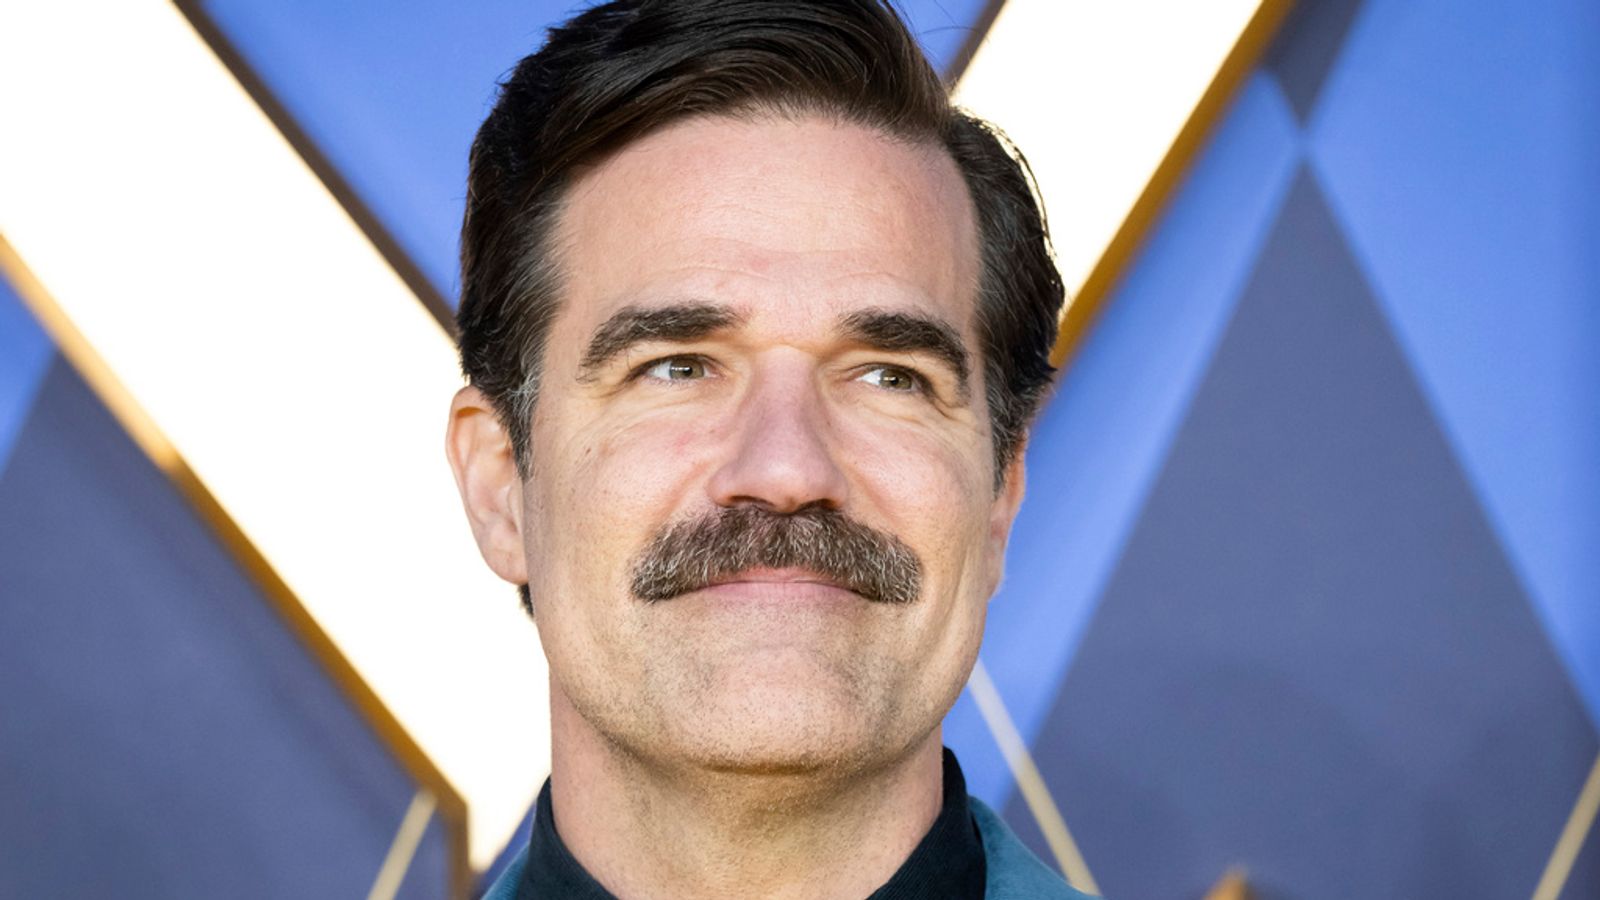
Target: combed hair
pixel 626 68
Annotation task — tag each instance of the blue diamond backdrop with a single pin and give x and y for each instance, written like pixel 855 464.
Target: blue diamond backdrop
pixel 1308 578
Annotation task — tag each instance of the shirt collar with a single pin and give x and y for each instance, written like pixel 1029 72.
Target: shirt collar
pixel 948 862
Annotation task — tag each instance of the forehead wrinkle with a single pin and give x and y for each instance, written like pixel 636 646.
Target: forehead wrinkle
pixel 633 325
pixel 725 175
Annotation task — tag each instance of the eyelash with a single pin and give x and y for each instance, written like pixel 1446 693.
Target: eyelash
pixel 920 384
pixel 640 371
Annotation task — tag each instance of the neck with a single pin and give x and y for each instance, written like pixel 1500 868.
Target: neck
pixel 645 830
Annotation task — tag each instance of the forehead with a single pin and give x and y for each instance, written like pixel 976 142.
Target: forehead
pixel 778 217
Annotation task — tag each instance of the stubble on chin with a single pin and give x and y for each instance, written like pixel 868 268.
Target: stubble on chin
pixel 694 712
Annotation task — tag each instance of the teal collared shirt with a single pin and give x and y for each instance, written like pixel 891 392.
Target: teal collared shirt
pixel 1012 871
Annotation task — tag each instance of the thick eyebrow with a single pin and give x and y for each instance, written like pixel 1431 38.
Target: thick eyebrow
pixel 901 332
pixel 634 325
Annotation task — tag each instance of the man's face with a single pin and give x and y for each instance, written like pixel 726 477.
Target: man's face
pixel 773 316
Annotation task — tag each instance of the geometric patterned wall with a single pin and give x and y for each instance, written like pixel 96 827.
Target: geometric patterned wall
pixel 164 732
pixel 390 101
pixel 1306 579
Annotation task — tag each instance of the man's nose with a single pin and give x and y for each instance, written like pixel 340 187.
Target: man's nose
pixel 782 456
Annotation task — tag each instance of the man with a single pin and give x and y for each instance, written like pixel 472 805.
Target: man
pixel 754 324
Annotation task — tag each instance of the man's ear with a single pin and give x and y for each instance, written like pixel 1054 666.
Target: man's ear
pixel 1004 511
pixel 479 450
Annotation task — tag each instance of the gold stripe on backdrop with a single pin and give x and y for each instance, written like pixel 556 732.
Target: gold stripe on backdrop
pixel 404 848
pixel 1241 59
pixel 1081 310
pixel 1567 846
pixel 72 346
pixel 316 365
pixel 1029 781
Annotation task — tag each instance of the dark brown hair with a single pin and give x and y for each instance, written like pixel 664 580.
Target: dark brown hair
pixel 623 69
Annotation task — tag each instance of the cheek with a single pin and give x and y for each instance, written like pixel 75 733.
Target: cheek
pixel 932 488
pixel 615 486
pixel 934 494
pixel 645 464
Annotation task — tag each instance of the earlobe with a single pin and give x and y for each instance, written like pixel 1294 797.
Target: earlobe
pixel 1007 501
pixel 1011 491
pixel 479 450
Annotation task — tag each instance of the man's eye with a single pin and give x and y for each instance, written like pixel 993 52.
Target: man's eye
pixel 676 368
pixel 893 378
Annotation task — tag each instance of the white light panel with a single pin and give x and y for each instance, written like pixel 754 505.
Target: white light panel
pixel 1094 92
pixel 289 365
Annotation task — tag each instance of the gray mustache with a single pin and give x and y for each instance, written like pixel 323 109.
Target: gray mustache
pixel 695 553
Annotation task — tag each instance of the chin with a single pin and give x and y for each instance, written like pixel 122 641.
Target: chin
pixel 764 729
pixel 779 708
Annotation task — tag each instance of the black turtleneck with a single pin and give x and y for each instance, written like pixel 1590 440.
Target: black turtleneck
pixel 947 863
